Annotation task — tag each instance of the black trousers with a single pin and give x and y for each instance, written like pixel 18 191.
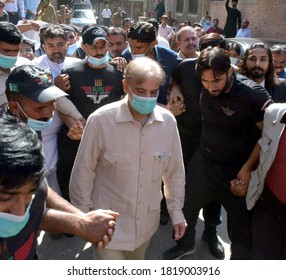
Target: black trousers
pixel 106 22
pixel 190 141
pixel 269 228
pixel 203 189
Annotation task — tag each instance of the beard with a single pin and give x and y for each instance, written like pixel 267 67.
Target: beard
pixel 57 58
pixel 224 89
pixel 256 73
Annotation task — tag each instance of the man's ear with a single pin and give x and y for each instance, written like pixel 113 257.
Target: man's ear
pixel 44 47
pixel 125 86
pixel 14 107
pixel 230 71
pixel 83 47
pixel 153 44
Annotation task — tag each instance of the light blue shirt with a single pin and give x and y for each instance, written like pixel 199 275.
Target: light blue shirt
pixel 32 5
pixel 13 7
pixel 205 25
pixel 244 32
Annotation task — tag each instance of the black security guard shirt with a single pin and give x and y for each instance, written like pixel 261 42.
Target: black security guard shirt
pixel 229 131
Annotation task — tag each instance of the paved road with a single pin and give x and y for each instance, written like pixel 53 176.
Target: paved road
pixel 75 248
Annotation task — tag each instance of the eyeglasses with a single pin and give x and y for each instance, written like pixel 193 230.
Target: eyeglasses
pixel 26 50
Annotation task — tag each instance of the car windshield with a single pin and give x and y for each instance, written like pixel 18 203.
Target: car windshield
pixel 83 14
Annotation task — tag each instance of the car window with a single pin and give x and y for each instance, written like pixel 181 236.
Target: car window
pixel 83 14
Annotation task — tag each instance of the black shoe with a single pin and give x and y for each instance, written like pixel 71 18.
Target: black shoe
pixel 177 252
pixel 215 247
pixel 164 218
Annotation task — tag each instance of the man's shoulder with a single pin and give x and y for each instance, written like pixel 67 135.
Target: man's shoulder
pixel 69 61
pixel 281 81
pixel 188 64
pixel 39 59
pixel 163 42
pixel 127 54
pixel 165 113
pixel 74 67
pixel 168 52
pixel 23 61
pixel 249 87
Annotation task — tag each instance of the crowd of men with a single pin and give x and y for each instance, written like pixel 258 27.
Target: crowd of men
pixel 147 123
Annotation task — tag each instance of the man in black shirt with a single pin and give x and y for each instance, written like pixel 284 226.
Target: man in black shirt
pixel 189 125
pixel 233 19
pixel 232 109
pixel 94 82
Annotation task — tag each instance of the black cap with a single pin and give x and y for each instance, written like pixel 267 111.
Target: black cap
pixel 93 34
pixel 35 83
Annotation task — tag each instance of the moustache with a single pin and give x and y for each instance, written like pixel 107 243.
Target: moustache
pixel 192 46
pixel 257 68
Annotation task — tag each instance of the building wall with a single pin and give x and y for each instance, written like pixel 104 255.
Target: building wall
pixel 267 18
pixel 264 15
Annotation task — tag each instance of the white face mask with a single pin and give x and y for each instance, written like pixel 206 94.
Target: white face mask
pixel 97 61
pixel 133 55
pixel 233 60
pixel 137 55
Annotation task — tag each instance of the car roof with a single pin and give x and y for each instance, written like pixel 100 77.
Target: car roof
pixel 244 43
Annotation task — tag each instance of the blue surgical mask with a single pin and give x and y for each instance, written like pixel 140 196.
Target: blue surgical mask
pixel 208 21
pixel 71 50
pixel 96 61
pixel 7 62
pixel 11 225
pixel 36 124
pixel 143 105
pixel 39 125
